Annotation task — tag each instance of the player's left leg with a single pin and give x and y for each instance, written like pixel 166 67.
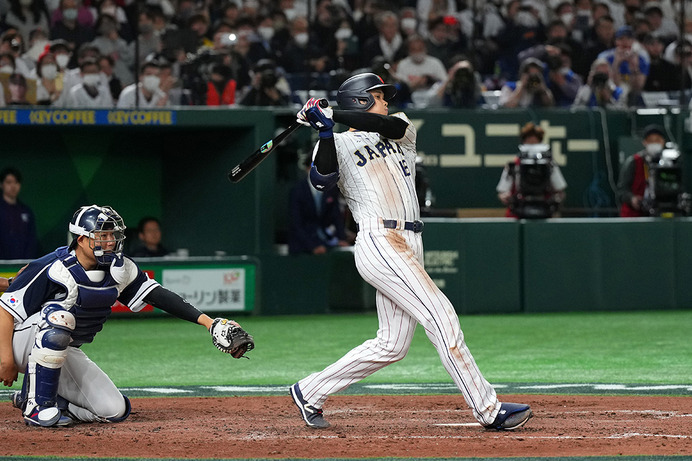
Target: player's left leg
pixel 90 394
pixel 396 269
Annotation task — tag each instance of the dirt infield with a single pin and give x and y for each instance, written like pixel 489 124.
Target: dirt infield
pixel 365 426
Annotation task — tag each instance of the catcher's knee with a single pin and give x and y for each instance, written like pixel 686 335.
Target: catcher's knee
pixel 118 412
pixel 125 413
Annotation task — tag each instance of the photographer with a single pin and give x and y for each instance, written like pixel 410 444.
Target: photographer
pixel 265 89
pixel 600 90
pixel 211 71
pixel 532 185
pixel 650 182
pixel 530 90
pixel 461 89
pixel 562 81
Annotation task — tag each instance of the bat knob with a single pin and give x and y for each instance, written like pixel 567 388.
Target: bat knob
pixel 323 103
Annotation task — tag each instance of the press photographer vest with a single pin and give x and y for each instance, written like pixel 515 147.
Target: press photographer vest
pixel 224 99
pixel 639 183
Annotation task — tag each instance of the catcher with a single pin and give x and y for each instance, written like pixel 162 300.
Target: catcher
pixel 60 301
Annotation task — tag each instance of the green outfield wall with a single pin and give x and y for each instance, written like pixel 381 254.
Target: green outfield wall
pixel 173 164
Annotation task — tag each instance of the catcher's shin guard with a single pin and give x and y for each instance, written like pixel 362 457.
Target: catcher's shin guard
pixel 45 362
pixel 41 406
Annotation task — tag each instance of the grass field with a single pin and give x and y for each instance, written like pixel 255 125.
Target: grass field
pixel 650 347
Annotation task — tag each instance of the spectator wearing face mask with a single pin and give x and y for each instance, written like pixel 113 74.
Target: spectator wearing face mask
pixel 48 80
pixel 634 172
pixel 90 92
pixel 69 28
pixel 150 93
pixel 420 71
pixel 12 42
pixel 63 54
pixel 303 52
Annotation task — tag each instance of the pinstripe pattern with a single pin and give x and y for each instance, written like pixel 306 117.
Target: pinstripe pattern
pixel 377 187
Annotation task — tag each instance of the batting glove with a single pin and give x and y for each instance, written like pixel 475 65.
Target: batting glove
pixel 321 119
pixel 302 118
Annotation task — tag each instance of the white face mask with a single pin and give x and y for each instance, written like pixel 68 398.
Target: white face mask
pixel 70 14
pixel 567 18
pixel 409 23
pixel 151 82
pixel 91 80
pixel 418 57
pixel 301 39
pixel 6 69
pixel 266 32
pixel 654 148
pixel 62 60
pixel 526 19
pixel 343 34
pixel 49 71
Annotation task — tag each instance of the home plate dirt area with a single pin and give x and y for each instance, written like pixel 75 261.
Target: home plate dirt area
pixel 365 426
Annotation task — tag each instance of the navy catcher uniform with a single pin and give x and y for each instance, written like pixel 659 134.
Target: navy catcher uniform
pixel 58 303
pixel 374 166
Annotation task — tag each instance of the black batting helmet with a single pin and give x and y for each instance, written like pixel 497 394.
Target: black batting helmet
pixel 354 93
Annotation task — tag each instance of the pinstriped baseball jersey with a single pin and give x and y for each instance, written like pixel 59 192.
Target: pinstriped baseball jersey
pixel 378 175
pixel 377 178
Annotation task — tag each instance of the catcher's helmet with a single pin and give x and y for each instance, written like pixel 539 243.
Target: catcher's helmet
pixel 354 93
pixel 92 220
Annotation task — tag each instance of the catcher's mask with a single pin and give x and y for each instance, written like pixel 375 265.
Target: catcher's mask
pixel 354 93
pixel 103 226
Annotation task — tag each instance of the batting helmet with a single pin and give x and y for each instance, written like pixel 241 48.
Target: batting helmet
pixel 92 221
pixel 354 93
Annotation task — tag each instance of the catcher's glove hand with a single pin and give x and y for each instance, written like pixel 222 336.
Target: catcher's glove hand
pixel 229 337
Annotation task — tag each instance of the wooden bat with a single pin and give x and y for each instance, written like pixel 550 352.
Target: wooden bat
pixel 250 163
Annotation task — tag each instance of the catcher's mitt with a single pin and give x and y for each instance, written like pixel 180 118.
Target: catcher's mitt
pixel 229 337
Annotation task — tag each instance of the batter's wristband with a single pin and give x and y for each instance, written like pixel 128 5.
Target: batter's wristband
pixel 327 134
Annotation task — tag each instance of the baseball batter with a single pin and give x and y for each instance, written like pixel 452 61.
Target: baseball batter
pixel 374 166
pixel 61 301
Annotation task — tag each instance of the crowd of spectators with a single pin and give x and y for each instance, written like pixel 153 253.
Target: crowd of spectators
pixel 154 53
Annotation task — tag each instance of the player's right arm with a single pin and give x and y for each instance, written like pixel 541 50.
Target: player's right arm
pixel 8 367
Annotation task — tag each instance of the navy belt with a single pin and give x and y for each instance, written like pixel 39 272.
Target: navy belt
pixel 415 226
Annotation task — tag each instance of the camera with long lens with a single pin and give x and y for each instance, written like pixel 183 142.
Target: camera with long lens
pixel 534 81
pixel 664 194
pixel 599 79
pixel 533 198
pixel 196 71
pixel 463 78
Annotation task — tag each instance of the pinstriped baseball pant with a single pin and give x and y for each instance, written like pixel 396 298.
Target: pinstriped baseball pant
pixel 392 262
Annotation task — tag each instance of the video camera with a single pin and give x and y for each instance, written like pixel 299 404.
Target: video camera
pixel 664 194
pixel 533 198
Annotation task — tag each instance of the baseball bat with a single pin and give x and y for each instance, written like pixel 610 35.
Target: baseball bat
pixel 250 163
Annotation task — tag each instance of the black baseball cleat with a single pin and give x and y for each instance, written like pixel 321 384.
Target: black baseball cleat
pixel 18 400
pixel 311 415
pixel 511 416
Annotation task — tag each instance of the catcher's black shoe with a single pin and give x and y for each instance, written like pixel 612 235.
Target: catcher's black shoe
pixel 511 416
pixel 18 400
pixel 311 415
